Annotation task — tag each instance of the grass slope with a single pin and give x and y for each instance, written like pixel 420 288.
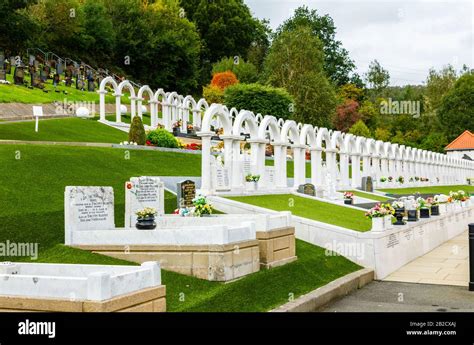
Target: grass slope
pixel 31 210
pixel 312 209
pixel 70 130
pixel 21 94
pixel 261 291
pixel 428 190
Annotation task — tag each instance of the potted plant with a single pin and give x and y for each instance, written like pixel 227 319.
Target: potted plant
pixel 251 182
pixel 424 207
pixel 441 201
pixel 434 206
pixel 376 214
pixel 399 208
pixel 412 211
pixel 383 179
pixel 201 207
pixel 190 129
pixel 400 179
pixel 146 219
pixel 176 128
pixel 348 198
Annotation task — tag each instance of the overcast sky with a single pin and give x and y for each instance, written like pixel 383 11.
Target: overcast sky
pixel 406 37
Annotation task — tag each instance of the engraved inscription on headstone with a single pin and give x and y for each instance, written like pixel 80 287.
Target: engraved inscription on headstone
pixel 186 192
pixel 141 192
pixel 89 208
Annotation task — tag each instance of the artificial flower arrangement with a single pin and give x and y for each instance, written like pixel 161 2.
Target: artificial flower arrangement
pixel 431 201
pixel 460 195
pixel 400 179
pixel 200 207
pixel 147 212
pixel 411 179
pixel 383 179
pixel 390 179
pixel 348 195
pixel 177 124
pixel 377 211
pixel 423 203
pixel 397 204
pixel 417 178
pixel 389 209
pixel 252 178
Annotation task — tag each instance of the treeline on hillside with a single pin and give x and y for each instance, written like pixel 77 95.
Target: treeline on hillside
pixel 218 49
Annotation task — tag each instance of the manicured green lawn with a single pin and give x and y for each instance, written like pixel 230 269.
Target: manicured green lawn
pixel 69 129
pixel 428 190
pixel 367 195
pixel 311 209
pixel 126 118
pixel 261 291
pixel 21 94
pixel 32 210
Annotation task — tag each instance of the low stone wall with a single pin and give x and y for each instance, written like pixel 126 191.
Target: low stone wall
pixel 385 251
pixel 211 262
pixel 146 300
pixel 277 247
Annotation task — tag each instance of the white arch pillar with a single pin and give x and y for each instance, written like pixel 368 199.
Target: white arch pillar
pixel 206 184
pixel 356 172
pixel 118 103
pixel 102 94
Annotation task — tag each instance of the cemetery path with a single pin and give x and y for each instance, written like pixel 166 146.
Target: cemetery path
pixel 445 265
pixel 387 296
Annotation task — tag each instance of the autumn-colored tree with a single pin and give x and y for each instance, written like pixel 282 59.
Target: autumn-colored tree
pixel 224 79
pixel 346 115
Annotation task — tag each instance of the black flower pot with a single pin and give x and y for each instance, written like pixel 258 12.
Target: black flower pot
pixel 348 201
pixel 435 210
pixel 146 223
pixel 399 213
pixel 424 213
pixel 412 215
pixel 175 131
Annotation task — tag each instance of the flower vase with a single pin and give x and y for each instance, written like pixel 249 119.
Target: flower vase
pixel 145 223
pixel 377 224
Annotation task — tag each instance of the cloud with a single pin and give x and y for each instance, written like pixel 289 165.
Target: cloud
pixel 406 37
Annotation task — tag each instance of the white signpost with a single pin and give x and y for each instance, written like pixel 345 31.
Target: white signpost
pixel 37 113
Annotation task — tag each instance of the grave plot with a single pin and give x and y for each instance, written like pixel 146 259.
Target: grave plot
pixel 217 247
pixel 81 288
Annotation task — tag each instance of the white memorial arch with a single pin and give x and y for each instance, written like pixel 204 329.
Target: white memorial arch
pixel 338 160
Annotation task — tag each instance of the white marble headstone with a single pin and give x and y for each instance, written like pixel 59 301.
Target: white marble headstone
pixel 220 178
pixel 89 208
pixel 270 175
pixel 141 192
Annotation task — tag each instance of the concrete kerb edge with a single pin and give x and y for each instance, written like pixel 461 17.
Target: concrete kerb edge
pixel 328 293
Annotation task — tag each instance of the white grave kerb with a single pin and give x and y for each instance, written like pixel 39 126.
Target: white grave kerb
pixel 141 192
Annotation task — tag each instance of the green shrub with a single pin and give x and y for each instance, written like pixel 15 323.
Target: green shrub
pixel 137 131
pixel 246 72
pixel 213 94
pixel 261 99
pixel 162 138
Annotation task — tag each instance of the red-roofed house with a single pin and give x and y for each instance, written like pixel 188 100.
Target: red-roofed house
pixel 462 146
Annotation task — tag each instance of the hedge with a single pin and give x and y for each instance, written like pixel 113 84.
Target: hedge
pixel 261 99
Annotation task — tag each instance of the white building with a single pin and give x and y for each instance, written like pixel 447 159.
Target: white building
pixel 462 147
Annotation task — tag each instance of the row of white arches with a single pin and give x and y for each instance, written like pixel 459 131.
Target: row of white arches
pixel 335 157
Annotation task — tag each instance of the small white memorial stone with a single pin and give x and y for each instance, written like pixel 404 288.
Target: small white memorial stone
pixel 141 192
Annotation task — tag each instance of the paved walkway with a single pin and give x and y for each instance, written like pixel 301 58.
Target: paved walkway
pixel 384 296
pixel 445 265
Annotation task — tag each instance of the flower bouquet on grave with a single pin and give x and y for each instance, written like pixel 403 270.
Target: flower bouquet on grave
pixel 400 179
pixel 377 215
pixel 389 212
pixel 434 206
pixel 424 207
pixel 251 181
pixel 183 212
pixel 348 198
pixel 390 179
pixel 201 207
pixel 146 219
pixel 417 178
pixel 399 208
pixel 383 179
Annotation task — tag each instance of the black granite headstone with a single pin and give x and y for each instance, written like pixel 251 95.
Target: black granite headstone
pixel 186 192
